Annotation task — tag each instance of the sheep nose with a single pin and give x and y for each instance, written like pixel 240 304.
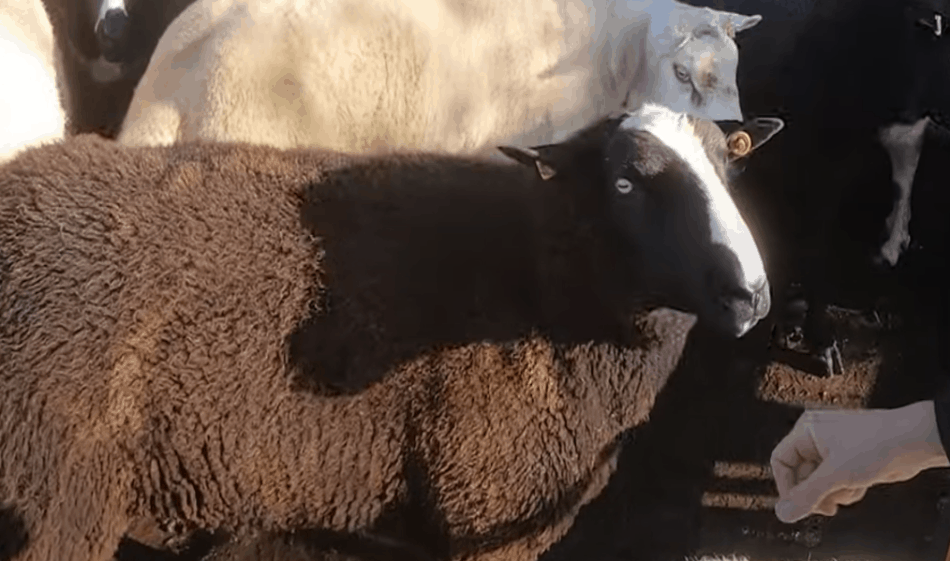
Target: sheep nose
pixel 748 306
pixel 762 299
pixel 114 23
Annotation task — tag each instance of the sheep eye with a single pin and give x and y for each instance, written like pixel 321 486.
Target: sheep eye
pixel 624 186
pixel 681 74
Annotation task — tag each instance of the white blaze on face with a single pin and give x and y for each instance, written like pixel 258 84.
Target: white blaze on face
pixel 726 224
pixel 106 5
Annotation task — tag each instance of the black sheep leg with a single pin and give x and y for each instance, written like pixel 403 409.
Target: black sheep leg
pixel 821 274
pixel 806 326
pixel 833 250
pixel 819 335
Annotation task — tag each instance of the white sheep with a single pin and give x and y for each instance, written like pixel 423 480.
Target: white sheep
pixel 30 109
pixel 449 75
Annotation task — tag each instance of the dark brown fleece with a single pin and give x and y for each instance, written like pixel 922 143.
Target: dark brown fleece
pixel 90 104
pixel 311 546
pixel 172 321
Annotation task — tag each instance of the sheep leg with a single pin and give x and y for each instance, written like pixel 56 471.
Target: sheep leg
pixel 805 334
pixel 789 330
pixel 817 332
pixel 805 326
pixel 821 339
pixel 904 144
pixel 822 261
pixel 824 276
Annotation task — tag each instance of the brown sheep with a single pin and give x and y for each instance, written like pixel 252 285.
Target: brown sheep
pixel 102 50
pixel 177 324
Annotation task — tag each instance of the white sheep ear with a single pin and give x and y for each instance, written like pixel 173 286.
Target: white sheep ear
pixel 741 23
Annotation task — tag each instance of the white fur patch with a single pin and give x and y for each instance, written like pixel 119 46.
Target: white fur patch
pixel 30 112
pixel 106 5
pixel 727 226
pixel 903 144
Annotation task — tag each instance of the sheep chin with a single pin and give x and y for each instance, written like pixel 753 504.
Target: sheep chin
pixel 105 72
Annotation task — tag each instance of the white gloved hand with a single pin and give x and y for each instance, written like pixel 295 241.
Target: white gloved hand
pixel 830 458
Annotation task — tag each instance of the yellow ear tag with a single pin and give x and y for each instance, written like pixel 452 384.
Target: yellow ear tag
pixel 739 144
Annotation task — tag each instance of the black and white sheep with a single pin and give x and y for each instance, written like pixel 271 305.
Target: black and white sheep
pixel 857 83
pixel 242 338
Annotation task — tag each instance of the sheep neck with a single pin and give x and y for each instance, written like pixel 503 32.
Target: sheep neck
pixel 494 256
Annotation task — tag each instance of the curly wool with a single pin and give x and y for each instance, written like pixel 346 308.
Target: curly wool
pixel 165 312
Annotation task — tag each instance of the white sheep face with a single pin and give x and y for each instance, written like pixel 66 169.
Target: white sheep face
pixel 691 58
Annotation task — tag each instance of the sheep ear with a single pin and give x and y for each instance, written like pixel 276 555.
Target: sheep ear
pixel 762 129
pixel 564 156
pixel 741 23
pixel 530 157
pixel 751 135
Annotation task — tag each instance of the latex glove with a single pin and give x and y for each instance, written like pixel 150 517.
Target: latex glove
pixel 830 458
